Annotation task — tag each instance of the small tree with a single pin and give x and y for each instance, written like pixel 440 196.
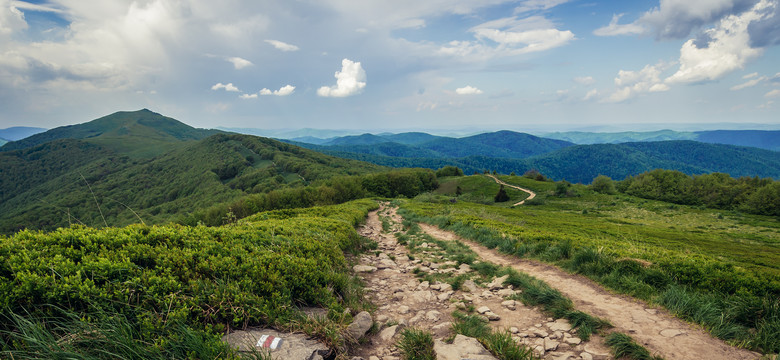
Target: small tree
pixel 458 191
pixel 512 173
pixel 501 196
pixel 603 184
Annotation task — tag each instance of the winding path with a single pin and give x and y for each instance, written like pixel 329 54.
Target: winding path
pixel 531 194
pixel 656 329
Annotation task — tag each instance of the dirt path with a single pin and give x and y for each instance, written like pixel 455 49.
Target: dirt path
pixel 656 329
pixel 404 300
pixel 531 194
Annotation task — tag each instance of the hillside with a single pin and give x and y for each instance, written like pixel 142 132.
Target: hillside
pixel 769 140
pixel 42 187
pixel 19 132
pixel 141 133
pixel 582 163
pixel 763 139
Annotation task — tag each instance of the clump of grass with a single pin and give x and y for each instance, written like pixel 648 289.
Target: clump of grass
pixel 416 344
pixel 500 343
pixel 624 347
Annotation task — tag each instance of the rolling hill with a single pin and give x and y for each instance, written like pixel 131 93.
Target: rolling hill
pixel 19 132
pixel 141 133
pixel 59 182
pixel 763 139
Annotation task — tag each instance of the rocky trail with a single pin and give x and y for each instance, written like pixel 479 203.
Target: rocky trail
pixel 403 300
pixel 656 329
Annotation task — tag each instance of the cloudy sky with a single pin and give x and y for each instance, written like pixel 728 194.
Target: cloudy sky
pixel 393 64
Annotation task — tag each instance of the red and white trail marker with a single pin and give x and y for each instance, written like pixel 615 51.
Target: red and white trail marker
pixel 269 342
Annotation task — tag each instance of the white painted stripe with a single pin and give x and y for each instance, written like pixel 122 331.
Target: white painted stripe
pixel 276 343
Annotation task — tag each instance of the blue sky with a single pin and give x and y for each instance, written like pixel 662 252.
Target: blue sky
pixel 394 65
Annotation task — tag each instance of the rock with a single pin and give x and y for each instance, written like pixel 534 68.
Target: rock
pixel 386 336
pixel 573 340
pixel 670 333
pixel 382 319
pixel 360 324
pixel 442 329
pixel 445 287
pixel 422 296
pixel 497 283
pixel 460 306
pixel 514 330
pixel 463 347
pixel 492 316
pixel 445 296
pixel 564 356
pixel 386 264
pixel 487 294
pixel 540 333
pixel 363 269
pixel 469 286
pixel 505 292
pixel 559 325
pixel 464 268
pixel 423 285
pixel 586 356
pixel 373 358
pixel 550 344
pixel 509 304
pixel 383 256
pixel 483 309
pixel 291 346
pixel 433 316
pixel 403 309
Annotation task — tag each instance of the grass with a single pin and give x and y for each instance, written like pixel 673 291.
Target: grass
pixel 500 343
pixel 624 347
pixel 478 189
pixel 416 344
pixel 725 263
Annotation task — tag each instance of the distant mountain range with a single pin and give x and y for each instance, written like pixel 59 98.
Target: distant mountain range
pixel 764 139
pixel 18 133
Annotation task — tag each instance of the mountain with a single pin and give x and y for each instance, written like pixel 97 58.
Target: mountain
pixel 501 144
pixel 763 139
pixel 59 182
pixel 3 141
pixel 410 138
pixel 364 139
pixel 19 132
pixel 141 133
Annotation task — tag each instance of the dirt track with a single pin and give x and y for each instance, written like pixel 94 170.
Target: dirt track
pixel 531 194
pixel 656 329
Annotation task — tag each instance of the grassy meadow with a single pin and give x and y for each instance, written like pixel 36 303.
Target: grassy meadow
pixel 714 267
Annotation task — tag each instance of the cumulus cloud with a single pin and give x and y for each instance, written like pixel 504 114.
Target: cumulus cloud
pixel 468 90
pixel 593 93
pixel 585 80
pixel 248 96
pixel 226 87
pixel 282 45
pixel 727 48
pixel 537 5
pixel 614 28
pixel 11 18
pixel 750 83
pixel 283 91
pixel 632 83
pixel 351 80
pixel 239 63
pixel 518 36
pixel 675 19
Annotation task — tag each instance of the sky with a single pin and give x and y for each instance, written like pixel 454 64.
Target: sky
pixel 394 64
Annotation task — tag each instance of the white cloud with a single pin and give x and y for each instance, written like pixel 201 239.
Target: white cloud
pixel 772 94
pixel 468 90
pixel 517 36
pixel 537 5
pixel 351 80
pixel 11 18
pixel 585 80
pixel 749 83
pixel 283 91
pixel 750 76
pixel 226 87
pixel 593 93
pixel 248 96
pixel 728 49
pixel 239 63
pixel 632 83
pixel 614 28
pixel 674 19
pixel 282 45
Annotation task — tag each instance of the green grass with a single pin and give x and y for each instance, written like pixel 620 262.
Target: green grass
pixel 478 189
pixel 416 344
pixel 499 343
pixel 624 347
pixel 729 262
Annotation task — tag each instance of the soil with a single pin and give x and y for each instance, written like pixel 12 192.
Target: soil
pixel 531 194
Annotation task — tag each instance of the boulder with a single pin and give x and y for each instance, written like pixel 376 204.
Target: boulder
pixel 282 346
pixel 498 283
pixel 360 325
pixel 469 286
pixel 463 347
pixel 386 336
pixel 363 269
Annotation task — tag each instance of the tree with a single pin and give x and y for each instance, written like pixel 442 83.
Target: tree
pixel 501 196
pixel 458 191
pixel 603 184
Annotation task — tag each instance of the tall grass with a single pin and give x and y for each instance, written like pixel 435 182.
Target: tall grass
pixel 500 343
pixel 624 347
pixel 416 344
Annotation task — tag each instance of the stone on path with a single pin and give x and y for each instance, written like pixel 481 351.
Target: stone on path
pixel 363 269
pixel 463 347
pixel 498 283
pixel 386 336
pixel 671 333
pixel 559 325
pixel 469 286
pixel 291 347
pixel 360 325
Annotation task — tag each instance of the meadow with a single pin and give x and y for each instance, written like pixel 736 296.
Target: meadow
pixel 718 268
